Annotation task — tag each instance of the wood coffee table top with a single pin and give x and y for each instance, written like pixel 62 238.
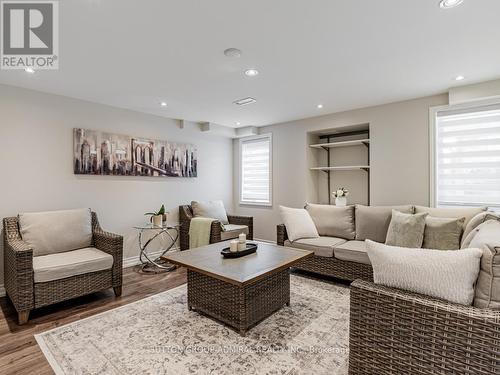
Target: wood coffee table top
pixel 239 271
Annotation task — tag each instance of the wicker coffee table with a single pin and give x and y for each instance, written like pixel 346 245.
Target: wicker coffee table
pixel 239 292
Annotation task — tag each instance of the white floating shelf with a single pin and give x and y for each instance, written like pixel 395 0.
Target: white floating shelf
pixel 342 168
pixel 356 142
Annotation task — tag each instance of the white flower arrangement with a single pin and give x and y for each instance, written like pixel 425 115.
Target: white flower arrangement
pixel 341 192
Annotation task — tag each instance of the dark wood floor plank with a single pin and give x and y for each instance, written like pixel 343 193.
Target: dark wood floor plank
pixel 19 352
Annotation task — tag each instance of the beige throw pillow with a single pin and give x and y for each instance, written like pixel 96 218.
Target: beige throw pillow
pixel 333 221
pixel 487 293
pixel 298 223
pixel 442 233
pixel 406 230
pixel 372 222
pixel 449 275
pixel 473 224
pixel 211 209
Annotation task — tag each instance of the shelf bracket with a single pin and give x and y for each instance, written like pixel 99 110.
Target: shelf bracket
pixel 367 144
pixel 324 148
pixel 366 169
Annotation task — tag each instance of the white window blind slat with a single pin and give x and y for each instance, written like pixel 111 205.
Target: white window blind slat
pixel 467 150
pixel 255 183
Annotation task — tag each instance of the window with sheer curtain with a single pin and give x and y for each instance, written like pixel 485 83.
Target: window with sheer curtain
pixel 256 170
pixel 467 157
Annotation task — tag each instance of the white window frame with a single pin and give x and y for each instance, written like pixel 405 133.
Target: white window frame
pixel 240 170
pixel 433 114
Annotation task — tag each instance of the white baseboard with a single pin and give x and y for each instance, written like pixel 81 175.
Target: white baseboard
pixel 128 262
pixel 134 261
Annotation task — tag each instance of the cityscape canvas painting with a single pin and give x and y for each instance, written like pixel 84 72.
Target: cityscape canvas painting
pixel 101 153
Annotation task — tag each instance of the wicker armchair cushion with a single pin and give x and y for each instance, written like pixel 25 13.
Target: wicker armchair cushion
pixel 449 275
pixel 71 263
pixel 298 223
pixel 211 209
pixel 321 246
pixel 372 222
pixel 452 212
pixel 333 221
pixel 487 293
pixel 56 231
pixel 233 231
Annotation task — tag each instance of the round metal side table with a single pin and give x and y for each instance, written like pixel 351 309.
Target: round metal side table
pixel 155 264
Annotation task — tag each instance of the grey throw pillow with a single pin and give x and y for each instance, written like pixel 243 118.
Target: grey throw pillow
pixel 406 230
pixel 442 233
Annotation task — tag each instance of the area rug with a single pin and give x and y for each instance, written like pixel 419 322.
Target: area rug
pixel 158 335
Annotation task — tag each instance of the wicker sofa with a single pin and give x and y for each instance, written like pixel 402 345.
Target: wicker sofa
pixel 393 331
pixel 216 233
pixel 26 294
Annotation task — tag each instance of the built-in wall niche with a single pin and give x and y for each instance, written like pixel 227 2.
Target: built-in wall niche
pixel 341 159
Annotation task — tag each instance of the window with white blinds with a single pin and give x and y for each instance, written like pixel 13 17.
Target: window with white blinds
pixel 255 170
pixel 467 157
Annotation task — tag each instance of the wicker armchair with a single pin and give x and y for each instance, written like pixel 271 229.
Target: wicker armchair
pixel 186 214
pixel 27 295
pixel 398 332
pixel 333 267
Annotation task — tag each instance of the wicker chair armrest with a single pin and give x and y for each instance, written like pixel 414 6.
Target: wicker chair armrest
pixel 215 231
pixel 110 243
pixel 281 235
pixel 18 269
pixel 394 331
pixel 243 220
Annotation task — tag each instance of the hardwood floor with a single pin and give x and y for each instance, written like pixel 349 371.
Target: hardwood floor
pixel 19 352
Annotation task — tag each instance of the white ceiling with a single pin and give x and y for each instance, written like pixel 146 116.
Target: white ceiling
pixel 342 53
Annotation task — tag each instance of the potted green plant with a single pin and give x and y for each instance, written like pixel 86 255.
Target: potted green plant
pixel 157 218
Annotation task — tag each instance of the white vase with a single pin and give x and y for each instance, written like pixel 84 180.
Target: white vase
pixel 157 220
pixel 341 201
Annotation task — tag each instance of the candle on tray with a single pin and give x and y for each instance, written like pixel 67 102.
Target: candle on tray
pixel 242 246
pixel 242 238
pixel 233 245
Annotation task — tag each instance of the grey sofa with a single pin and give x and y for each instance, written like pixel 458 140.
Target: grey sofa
pixel 340 250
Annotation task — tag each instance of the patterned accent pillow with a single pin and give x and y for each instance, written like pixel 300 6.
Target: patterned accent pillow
pixel 449 275
pixel 443 233
pixel 406 230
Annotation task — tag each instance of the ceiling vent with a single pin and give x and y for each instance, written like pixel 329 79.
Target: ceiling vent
pixel 245 101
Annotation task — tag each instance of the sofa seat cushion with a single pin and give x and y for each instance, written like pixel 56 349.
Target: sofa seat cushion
pixel 71 263
pixel 321 246
pixel 352 251
pixel 56 231
pixel 233 231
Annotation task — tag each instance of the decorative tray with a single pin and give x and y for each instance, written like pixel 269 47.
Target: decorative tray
pixel 251 248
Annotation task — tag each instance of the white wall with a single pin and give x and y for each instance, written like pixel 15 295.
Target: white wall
pixel 399 153
pixel 36 162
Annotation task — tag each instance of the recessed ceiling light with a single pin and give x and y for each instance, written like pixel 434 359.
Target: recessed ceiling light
pixel 163 104
pixel 238 123
pixel 459 78
pixel 319 106
pixel 232 52
pixel 446 4
pixel 29 70
pixel 251 72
